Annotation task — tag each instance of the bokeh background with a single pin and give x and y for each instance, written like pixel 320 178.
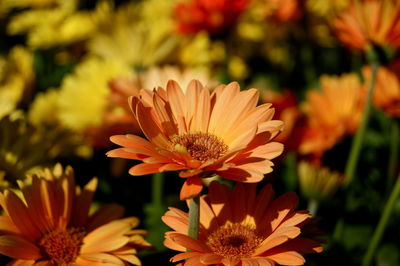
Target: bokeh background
pixel 67 68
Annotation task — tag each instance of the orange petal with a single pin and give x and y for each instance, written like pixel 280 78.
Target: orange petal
pixel 18 248
pixel 105 214
pixel 191 188
pixel 145 168
pixel 19 214
pixel 189 242
pixel 288 258
pixel 219 197
pixel 184 256
pixel 96 258
pixel 83 202
pixel 210 259
pixel 21 263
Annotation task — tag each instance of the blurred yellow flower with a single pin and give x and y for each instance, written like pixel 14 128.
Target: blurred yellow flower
pixel 44 108
pixel 83 94
pixel 7 5
pixel 16 78
pixel 326 7
pixel 60 25
pixel 200 51
pixel 318 183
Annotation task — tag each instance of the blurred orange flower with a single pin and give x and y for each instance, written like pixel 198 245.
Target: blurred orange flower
pixel 242 227
pixel 369 22
pixel 286 110
pixel 50 225
pixel 201 134
pixel 386 91
pixel 213 16
pixel 283 10
pixel 332 113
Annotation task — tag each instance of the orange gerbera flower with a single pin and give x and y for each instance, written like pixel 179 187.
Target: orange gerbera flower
pixel 369 22
pixel 333 112
pixel 212 16
pixel 202 134
pixel 51 225
pixel 241 227
pixel 387 90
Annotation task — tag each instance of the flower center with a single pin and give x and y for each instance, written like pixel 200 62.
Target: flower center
pixel 234 240
pixel 62 246
pixel 200 146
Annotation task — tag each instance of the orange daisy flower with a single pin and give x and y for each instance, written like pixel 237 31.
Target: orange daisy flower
pixel 332 113
pixel 242 227
pixel 50 225
pixel 387 90
pixel 369 22
pixel 201 134
pixel 212 16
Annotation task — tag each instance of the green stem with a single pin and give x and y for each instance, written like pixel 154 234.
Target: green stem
pixel 359 137
pixel 194 217
pixel 380 228
pixel 157 188
pixel 313 206
pixel 393 152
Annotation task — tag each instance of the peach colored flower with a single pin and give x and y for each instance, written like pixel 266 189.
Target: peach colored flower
pixel 50 225
pixel 387 90
pixel 369 22
pixel 333 112
pixel 202 134
pixel 242 227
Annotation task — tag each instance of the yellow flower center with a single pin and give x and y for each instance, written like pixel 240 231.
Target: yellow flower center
pixel 200 146
pixel 62 246
pixel 234 240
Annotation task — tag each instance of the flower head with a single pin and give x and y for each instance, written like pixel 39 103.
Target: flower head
pixel 369 22
pixel 333 112
pixel 51 224
pixel 211 16
pixel 387 90
pixel 318 182
pixel 242 227
pixel 201 134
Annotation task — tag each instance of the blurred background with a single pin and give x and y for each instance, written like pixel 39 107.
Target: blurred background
pixel 67 68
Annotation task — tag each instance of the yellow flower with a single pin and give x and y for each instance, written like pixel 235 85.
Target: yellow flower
pixel 207 52
pixel 318 182
pixel 61 25
pixel 16 78
pixel 44 109
pixel 135 37
pixel 326 7
pixel 50 224
pixel 7 5
pixel 83 94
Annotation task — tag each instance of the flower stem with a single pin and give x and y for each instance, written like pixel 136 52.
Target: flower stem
pixel 312 206
pixel 359 137
pixel 380 228
pixel 194 217
pixel 157 188
pixel 393 152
